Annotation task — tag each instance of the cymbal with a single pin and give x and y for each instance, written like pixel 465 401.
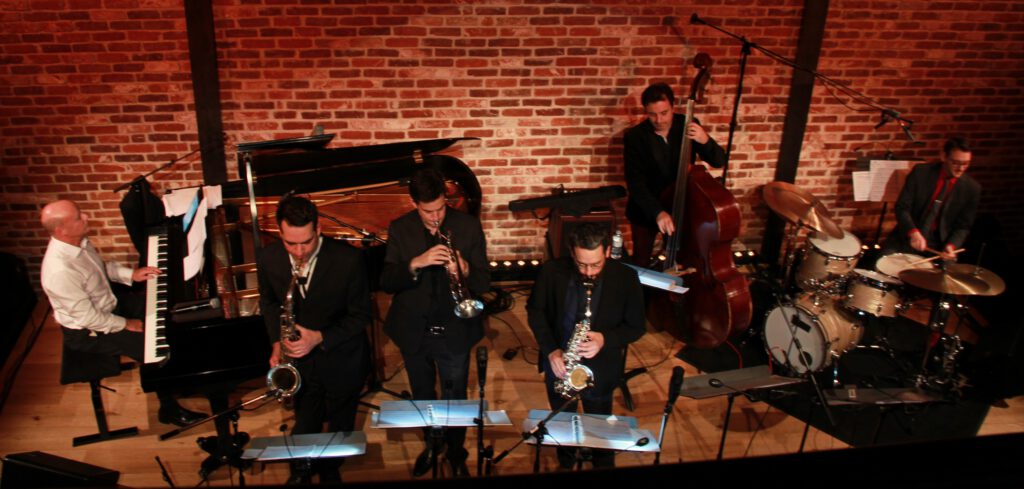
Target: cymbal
pixel 996 285
pixel 801 207
pixel 945 281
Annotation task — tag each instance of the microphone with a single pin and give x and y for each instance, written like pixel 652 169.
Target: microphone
pixel 642 442
pixel 695 19
pixel 905 125
pixel 717 384
pixel 212 303
pixel 887 115
pixel 674 386
pixel 481 365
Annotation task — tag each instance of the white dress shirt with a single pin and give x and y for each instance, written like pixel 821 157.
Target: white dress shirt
pixel 77 283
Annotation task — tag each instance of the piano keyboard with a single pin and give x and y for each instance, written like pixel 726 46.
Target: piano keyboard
pixel 156 349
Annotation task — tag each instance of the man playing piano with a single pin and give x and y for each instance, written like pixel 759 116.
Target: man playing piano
pixel 421 321
pixel 93 319
pixel 332 309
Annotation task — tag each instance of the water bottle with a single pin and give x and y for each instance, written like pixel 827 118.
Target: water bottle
pixel 617 245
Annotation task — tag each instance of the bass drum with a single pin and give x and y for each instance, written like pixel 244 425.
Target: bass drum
pixel 822 329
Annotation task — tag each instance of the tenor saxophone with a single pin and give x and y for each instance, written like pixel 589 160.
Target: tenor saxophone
pixel 283 379
pixel 577 376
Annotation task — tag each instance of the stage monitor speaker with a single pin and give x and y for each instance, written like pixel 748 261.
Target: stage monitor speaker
pixel 38 469
pixel 561 225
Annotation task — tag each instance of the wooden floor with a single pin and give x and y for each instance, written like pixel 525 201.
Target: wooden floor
pixel 42 415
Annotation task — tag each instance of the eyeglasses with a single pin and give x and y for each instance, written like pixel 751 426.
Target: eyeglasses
pixel 953 162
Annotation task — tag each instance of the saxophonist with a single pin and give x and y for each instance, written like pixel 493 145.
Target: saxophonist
pixel 557 305
pixel 419 270
pixel 332 309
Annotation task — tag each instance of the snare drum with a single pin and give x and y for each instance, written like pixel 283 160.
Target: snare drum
pixel 895 263
pixel 823 330
pixel 827 257
pixel 873 293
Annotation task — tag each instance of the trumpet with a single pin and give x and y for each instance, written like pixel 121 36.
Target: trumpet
pixel 283 379
pixel 465 305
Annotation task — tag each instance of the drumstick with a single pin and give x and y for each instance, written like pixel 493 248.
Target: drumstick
pixel 929 250
pixel 936 257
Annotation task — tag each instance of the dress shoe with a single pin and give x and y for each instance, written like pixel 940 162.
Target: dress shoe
pixel 423 462
pixel 179 416
pixel 298 479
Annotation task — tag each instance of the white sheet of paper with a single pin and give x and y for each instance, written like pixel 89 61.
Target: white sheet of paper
pixel 861 186
pixel 881 172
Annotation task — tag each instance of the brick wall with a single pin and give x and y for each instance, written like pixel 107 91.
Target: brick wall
pixel 94 92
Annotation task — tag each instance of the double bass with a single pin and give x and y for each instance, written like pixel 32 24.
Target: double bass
pixel 707 219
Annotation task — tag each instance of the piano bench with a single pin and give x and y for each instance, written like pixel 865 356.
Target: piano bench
pixel 78 366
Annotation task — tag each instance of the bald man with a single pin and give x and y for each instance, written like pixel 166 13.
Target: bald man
pixel 92 318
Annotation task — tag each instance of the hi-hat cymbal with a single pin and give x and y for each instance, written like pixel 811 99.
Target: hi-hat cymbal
pixel 945 281
pixel 996 285
pixel 801 207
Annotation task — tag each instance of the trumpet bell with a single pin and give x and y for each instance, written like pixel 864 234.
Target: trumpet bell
pixel 469 308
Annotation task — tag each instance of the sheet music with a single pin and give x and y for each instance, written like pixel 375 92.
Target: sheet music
pixel 179 202
pixel 882 183
pixel 861 186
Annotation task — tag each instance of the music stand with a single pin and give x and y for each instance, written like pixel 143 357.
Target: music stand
pixel 743 381
pixel 884 398
pixel 310 447
pixel 435 414
pixel 596 431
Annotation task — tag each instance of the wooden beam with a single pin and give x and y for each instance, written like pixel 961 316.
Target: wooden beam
pixel 202 53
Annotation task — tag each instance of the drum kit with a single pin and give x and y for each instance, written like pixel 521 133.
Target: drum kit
pixel 832 299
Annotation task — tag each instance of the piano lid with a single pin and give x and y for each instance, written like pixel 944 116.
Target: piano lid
pixel 296 164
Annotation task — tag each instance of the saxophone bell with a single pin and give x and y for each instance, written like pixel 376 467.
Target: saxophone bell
pixel 283 379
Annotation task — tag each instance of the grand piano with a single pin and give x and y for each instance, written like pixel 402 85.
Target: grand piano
pixel 199 345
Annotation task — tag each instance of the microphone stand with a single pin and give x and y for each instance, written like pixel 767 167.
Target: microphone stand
pixel 538 432
pixel 230 454
pixel 695 19
pixel 482 452
pixel 160 168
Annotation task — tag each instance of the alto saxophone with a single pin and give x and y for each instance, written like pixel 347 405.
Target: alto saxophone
pixel 283 379
pixel 465 305
pixel 577 376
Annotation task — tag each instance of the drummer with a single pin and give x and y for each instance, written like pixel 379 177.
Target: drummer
pixel 936 206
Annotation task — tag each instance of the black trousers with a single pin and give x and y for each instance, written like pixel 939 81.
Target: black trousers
pixel 128 343
pixel 594 402
pixel 332 382
pixel 430 362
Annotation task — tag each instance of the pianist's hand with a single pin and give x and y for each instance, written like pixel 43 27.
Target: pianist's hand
pixel 145 273
pixel 134 325
pixel 308 339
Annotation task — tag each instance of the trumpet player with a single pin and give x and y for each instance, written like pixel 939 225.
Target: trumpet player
pixel 331 307
pixel 435 261
pixel 558 304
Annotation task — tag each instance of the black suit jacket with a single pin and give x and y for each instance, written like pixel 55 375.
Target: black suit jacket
pixel 619 315
pixel 407 318
pixel 957 213
pixel 651 165
pixel 337 303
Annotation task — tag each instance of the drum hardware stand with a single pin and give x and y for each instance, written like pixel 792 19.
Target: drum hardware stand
pixel 802 355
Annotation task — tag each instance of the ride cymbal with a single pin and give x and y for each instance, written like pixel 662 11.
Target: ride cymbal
pixel 800 207
pixel 945 281
pixel 996 285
